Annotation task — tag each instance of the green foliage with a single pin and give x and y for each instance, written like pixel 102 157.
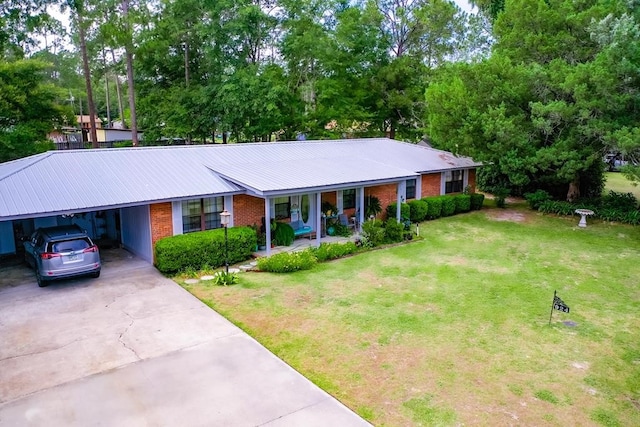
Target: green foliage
pixel 372 233
pixel 329 208
pixel 341 230
pixel 418 210
pixel 405 211
pixel 477 199
pixel 222 278
pixel 435 207
pixel 557 207
pixel 283 234
pixel 372 207
pixel 393 231
pixel 463 203
pixel 623 201
pixel 501 194
pixel 536 198
pixel 448 205
pixel 203 248
pixel 28 109
pixel 287 262
pixel 329 251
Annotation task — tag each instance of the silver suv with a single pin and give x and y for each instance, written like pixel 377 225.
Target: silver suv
pixel 61 252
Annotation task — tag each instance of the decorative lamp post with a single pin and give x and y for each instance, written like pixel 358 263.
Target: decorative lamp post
pixel 225 217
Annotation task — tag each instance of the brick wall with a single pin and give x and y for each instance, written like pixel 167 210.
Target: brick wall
pixel 247 210
pixel 472 179
pixel 161 221
pixel 331 197
pixel 385 193
pixel 431 184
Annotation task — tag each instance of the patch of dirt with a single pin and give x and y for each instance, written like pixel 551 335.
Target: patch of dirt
pixel 506 215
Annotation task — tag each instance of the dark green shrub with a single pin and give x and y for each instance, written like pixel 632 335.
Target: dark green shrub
pixel 222 278
pixel 286 262
pixel 329 251
pixel 536 198
pixel 622 201
pixel 341 230
pixel 284 234
pixel 372 233
pixel 405 211
pixel 557 207
pixel 501 194
pixel 435 207
pixel 463 203
pixel 448 205
pixel 418 210
pixel 203 248
pixel 477 200
pixel 393 231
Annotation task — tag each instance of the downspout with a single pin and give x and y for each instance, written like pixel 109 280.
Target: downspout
pixel 267 224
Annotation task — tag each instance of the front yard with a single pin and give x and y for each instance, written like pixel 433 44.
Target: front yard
pixel 454 329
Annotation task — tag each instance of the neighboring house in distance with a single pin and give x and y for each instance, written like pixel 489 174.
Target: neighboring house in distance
pixel 85 123
pixel 135 196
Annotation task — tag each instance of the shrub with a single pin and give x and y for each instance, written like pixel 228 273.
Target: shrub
pixel 435 207
pixel 557 207
pixel 622 201
pixel 287 262
pixel 536 198
pixel 329 251
pixel 448 205
pixel 477 200
pixel 222 278
pixel 393 231
pixel 501 194
pixel 284 234
pixel 418 210
pixel 405 211
pixel 203 248
pixel 372 233
pixel 463 203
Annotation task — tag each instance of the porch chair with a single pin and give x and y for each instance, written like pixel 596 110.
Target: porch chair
pixel 344 220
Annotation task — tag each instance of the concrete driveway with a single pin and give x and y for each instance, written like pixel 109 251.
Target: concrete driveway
pixel 133 348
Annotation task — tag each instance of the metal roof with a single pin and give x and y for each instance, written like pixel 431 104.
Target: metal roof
pixel 92 179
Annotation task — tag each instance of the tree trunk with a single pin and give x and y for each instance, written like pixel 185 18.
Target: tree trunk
pixel 119 92
pixel 574 190
pixel 132 97
pixel 106 84
pixel 87 78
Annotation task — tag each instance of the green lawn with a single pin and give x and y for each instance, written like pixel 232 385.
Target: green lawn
pixel 617 182
pixel 454 329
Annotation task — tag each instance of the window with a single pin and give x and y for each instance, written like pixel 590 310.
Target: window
pixel 282 207
pixel 454 181
pixel 349 199
pixel 411 189
pixel 201 214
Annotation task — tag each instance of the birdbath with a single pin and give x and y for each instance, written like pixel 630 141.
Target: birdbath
pixel 584 213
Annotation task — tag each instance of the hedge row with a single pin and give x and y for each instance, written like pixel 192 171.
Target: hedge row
pixel 436 207
pixel 203 249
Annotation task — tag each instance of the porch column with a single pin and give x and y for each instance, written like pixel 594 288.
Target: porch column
pixel 401 190
pixel 419 187
pixel 228 205
pixel 361 210
pixel 318 218
pixel 267 223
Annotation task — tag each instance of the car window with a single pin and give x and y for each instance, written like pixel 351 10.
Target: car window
pixel 70 245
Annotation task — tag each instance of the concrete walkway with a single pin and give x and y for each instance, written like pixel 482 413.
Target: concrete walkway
pixel 132 348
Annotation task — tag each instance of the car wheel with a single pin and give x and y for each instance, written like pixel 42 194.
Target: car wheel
pixel 41 282
pixel 95 275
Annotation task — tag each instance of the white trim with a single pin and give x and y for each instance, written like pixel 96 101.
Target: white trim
pixel 176 218
pixel 419 188
pixel 227 203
